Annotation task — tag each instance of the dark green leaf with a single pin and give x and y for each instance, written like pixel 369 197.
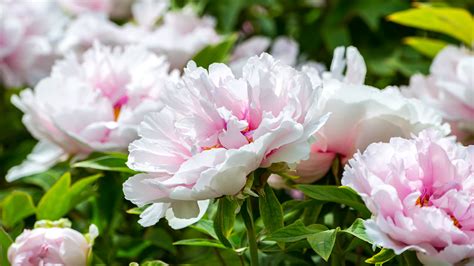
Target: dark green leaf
pixel 323 242
pixel 342 195
pixel 206 227
pixel 5 242
pixel 224 219
pixel 383 256
pixel 270 210
pixel 81 190
pixel 357 229
pixel 294 232
pixel 215 53
pixel 15 207
pixel 200 242
pixel 109 162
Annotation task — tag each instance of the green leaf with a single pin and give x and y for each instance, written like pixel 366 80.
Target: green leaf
pixel 206 227
pixel 342 195
pixel 295 232
pixel 154 263
pixel 224 219
pixel 380 258
pixel 215 53
pixel 110 162
pixel 270 210
pixel 455 22
pixel 357 229
pixel 5 242
pixel 81 190
pixel 323 242
pixel 200 242
pixel 426 46
pixel 15 207
pixel 55 203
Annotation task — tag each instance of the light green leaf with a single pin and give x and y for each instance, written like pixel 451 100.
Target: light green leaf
pixel 455 22
pixel 215 53
pixel 323 242
pixel 426 46
pixel 357 229
pixel 154 263
pixel 109 162
pixel 295 232
pixel 342 195
pixel 55 203
pixel 15 207
pixel 200 242
pixel 224 219
pixel 270 210
pixel 5 242
pixel 380 258
pixel 81 190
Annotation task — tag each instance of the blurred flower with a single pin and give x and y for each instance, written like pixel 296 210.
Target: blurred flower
pixel 77 7
pixel 283 49
pixel 216 130
pixel 361 115
pixel 28 33
pixel 93 103
pixel 421 195
pixel 51 245
pixel 449 88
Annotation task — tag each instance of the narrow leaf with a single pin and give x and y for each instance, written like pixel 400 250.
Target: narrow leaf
pixel 342 195
pixel 110 162
pixel 270 210
pixel 82 190
pixel 383 256
pixel 224 219
pixel 200 242
pixel 295 232
pixel 323 242
pixel 15 207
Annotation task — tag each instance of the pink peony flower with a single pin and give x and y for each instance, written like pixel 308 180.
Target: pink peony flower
pixel 51 246
pixel 421 195
pixel 361 115
pixel 216 130
pixel 29 31
pixel 449 88
pixel 93 103
pixel 77 7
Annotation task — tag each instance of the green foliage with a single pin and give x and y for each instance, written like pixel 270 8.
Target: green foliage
pixel 323 242
pixel 382 257
pixel 427 46
pixel 215 53
pixel 295 232
pixel 5 242
pixel 15 207
pixel 224 219
pixel 200 242
pixel 357 229
pixel 270 210
pixel 114 162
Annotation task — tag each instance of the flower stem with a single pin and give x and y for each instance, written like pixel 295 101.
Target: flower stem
pixel 249 225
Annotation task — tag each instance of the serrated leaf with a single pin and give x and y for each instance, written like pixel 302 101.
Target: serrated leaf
pixel 224 219
pixel 455 22
pixel 357 229
pixel 270 210
pixel 383 256
pixel 341 195
pixel 323 242
pixel 294 232
pixel 426 46
pixel 5 242
pixel 200 243
pixel 215 53
pixel 109 162
pixel 15 207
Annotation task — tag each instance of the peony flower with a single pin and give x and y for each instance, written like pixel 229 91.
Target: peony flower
pixel 421 195
pixel 449 88
pixel 283 49
pixel 28 33
pixel 53 244
pixel 215 131
pixel 181 35
pixel 361 115
pixel 94 103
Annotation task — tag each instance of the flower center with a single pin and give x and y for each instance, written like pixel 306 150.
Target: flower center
pixel 455 221
pixel 423 199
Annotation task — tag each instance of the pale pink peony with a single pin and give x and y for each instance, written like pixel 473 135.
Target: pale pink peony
pixel 421 195
pixel 215 131
pixel 361 115
pixel 51 246
pixel 449 88
pixel 29 31
pixel 93 103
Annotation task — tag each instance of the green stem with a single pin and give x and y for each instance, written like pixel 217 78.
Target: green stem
pixel 252 239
